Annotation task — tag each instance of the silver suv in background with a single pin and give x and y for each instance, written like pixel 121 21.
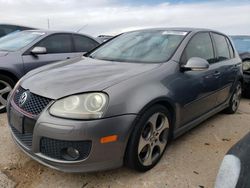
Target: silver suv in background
pixel 23 51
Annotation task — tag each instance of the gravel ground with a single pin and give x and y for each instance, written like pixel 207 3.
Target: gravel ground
pixel 190 161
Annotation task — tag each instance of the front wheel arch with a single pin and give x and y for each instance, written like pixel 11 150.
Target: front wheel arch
pixel 159 101
pixel 129 157
pixel 167 104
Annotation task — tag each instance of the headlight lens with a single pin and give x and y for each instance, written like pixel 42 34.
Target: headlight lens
pixel 85 106
pixel 246 65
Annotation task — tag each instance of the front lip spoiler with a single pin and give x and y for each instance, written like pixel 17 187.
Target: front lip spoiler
pixel 31 156
pixel 40 156
pixel 108 165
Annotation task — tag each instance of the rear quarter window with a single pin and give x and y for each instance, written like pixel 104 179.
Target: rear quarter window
pixel 84 44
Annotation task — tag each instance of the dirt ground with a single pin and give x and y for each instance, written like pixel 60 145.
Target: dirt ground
pixel 190 161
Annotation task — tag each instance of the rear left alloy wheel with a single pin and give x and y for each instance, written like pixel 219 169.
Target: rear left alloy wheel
pixel 234 102
pixel 149 139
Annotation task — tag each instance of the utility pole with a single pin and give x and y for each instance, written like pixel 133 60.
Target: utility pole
pixel 48 24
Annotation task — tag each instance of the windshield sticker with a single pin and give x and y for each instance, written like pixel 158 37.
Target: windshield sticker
pixel 183 33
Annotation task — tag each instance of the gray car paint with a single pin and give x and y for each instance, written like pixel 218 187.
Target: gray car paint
pixel 191 96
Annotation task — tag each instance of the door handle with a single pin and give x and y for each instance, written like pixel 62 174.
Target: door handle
pixel 217 73
pixel 68 58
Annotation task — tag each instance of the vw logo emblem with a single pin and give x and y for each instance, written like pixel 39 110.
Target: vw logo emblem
pixel 23 98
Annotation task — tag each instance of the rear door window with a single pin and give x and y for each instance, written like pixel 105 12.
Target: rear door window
pixel 221 44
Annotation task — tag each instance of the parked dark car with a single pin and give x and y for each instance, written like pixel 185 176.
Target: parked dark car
pixel 6 29
pixel 126 100
pixel 242 44
pixel 235 168
pixel 23 51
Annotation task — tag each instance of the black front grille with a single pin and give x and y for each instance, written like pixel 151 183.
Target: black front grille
pixel 53 148
pixel 26 127
pixel 25 139
pixel 34 104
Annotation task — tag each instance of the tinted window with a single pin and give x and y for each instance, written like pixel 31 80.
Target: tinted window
pixel 222 47
pixel 84 44
pixel 230 48
pixel 4 30
pixel 199 46
pixel 59 43
pixel 141 46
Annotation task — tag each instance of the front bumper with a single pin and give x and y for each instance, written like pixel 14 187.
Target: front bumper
pixel 101 156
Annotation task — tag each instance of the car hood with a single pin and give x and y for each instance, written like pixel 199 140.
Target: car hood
pixel 80 75
pixel 2 53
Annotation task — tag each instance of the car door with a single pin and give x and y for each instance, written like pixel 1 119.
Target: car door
pixel 58 46
pixel 228 67
pixel 83 44
pixel 198 89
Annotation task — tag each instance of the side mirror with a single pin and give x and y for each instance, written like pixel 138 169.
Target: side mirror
pixel 38 50
pixel 195 64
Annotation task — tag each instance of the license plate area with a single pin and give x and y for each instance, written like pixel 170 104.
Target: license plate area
pixel 28 125
pixel 16 120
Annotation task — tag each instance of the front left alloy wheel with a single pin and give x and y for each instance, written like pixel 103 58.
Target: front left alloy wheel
pixel 149 139
pixel 6 85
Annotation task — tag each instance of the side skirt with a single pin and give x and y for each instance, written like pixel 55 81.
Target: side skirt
pixel 180 131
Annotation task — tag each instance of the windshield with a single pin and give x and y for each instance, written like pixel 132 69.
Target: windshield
pixel 141 46
pixel 18 40
pixel 242 43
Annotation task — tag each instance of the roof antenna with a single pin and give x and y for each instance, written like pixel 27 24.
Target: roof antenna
pixel 82 28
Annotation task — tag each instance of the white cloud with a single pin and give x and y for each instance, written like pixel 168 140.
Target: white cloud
pixel 108 17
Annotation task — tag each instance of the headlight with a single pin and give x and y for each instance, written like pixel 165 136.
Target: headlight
pixel 85 106
pixel 246 65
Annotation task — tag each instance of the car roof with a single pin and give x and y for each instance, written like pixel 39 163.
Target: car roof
pixel 49 32
pixel 16 25
pixel 184 29
pixel 240 36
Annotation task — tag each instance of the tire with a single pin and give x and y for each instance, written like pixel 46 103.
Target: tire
pixel 6 85
pixel 235 100
pixel 149 139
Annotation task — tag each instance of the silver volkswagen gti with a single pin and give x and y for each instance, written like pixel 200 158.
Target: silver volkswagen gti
pixel 126 100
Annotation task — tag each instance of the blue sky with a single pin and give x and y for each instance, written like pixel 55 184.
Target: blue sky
pixel 116 16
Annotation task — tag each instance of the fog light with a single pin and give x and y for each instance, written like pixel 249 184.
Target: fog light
pixel 70 154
